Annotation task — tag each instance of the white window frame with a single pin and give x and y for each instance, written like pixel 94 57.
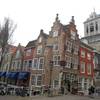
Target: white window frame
pixel 28 52
pixel 36 79
pixel 68 62
pixel 39 49
pixel 82 53
pixel 36 63
pixel 89 56
pixel 40 63
pixel 69 46
pixel 55 46
pixel 82 67
pixel 55 33
pixel 89 68
pixel 56 61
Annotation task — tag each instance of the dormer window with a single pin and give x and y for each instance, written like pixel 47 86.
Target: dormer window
pixel 40 39
pixel 55 33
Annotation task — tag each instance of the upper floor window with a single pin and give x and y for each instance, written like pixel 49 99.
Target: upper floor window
pixel 91 27
pixel 73 35
pixel 39 49
pixel 89 68
pixel 69 46
pixel 56 60
pixel 17 53
pixel 55 47
pixel 89 56
pixel 38 63
pixel 35 63
pixel 41 62
pixel 40 39
pixel 96 26
pixel 55 33
pixel 68 61
pixel 83 53
pixel 28 52
pixel 82 67
pixel 30 63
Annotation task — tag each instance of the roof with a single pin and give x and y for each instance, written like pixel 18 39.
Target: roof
pixel 31 43
pixel 87 46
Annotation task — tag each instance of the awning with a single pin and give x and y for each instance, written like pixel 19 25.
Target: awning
pixel 23 75
pixel 8 74
pixel 2 74
pixel 14 75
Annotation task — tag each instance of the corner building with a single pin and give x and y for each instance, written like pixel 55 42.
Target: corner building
pixel 62 58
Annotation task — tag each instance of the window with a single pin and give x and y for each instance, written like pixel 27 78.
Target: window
pixel 89 56
pixel 39 49
pixel 38 63
pixel 56 84
pixel 55 33
pixel 35 64
pixel 91 27
pixel 30 63
pixel 87 30
pixel 28 52
pixel 85 83
pixel 36 80
pixel 39 80
pixel 55 47
pixel 82 67
pixel 96 26
pixel 83 53
pixel 89 68
pixel 69 46
pixel 18 65
pixel 17 54
pixel 56 60
pixel 25 63
pixel 41 62
pixel 40 39
pixel 68 62
pixel 76 63
pixel 33 82
pixel 76 49
pixel 80 84
pixel 73 35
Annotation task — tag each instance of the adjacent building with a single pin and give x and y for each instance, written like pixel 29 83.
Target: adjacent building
pixel 86 68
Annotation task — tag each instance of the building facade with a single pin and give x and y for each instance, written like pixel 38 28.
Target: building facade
pixel 86 72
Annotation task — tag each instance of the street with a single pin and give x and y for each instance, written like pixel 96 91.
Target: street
pixel 65 97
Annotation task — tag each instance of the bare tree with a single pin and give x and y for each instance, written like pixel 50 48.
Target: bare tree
pixel 6 32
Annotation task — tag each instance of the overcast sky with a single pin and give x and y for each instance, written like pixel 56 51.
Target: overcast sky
pixel 33 15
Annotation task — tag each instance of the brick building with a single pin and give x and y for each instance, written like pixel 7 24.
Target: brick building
pixel 86 72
